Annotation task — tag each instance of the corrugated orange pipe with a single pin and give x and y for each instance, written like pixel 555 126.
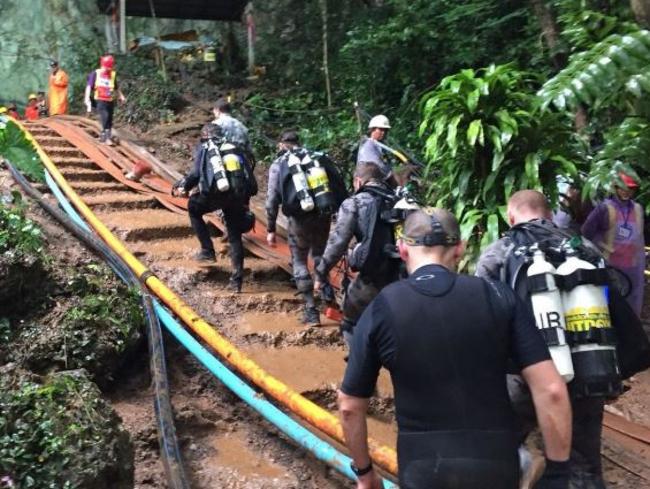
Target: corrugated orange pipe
pixel 382 455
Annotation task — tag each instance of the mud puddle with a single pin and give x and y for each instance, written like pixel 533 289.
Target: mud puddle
pixel 278 322
pixel 233 454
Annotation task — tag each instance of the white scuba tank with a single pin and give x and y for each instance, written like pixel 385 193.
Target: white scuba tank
pixel 586 315
pixel 220 176
pixel 549 315
pixel 401 210
pixel 300 183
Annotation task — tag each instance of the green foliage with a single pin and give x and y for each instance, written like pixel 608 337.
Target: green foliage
pixel 19 151
pixel 333 130
pixel 406 46
pixel 585 23
pixel 485 137
pixel 609 73
pixel 626 150
pixel 105 320
pixel 19 235
pixel 59 434
pixel 149 96
pixel 95 323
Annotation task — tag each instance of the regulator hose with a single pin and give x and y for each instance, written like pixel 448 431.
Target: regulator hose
pixel 169 449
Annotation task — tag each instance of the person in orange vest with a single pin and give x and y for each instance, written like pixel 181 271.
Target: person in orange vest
pixel 12 111
pixel 31 111
pixel 102 87
pixel 57 100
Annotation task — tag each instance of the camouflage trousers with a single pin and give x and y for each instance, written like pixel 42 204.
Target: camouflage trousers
pixel 307 234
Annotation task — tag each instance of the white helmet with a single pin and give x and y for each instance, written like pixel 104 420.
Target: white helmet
pixel 379 121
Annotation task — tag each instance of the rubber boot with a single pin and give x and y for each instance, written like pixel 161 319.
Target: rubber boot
pixel 102 136
pixel 311 316
pixel 236 252
pixel 109 140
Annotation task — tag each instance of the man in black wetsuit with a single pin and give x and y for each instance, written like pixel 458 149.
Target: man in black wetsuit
pixel 448 366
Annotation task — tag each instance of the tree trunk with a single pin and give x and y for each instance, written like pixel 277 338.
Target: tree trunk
pixel 641 9
pixel 326 68
pixel 550 32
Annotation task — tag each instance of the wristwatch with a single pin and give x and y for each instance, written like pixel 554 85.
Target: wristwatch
pixel 360 472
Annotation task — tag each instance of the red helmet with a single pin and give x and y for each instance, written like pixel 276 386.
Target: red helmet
pixel 629 181
pixel 107 62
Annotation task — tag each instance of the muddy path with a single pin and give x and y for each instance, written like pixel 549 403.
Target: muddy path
pixel 224 443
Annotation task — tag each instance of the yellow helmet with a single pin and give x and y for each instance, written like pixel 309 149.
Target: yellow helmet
pixel 3 109
pixel 32 96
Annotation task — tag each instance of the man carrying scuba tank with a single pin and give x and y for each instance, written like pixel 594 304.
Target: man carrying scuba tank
pixel 225 181
pixel 310 189
pixel 363 216
pixel 234 131
pixel 564 279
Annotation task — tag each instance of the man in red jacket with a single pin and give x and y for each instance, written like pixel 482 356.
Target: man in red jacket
pixel 31 111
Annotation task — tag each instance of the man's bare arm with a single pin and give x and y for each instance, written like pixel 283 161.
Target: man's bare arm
pixel 355 428
pixel 553 408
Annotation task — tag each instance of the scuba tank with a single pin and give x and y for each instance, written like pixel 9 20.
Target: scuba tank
pixel 319 185
pixel 546 300
pixel 218 168
pixel 300 183
pixel 397 214
pixel 234 170
pixel 589 328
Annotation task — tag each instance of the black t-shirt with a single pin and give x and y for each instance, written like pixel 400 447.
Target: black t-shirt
pixel 446 340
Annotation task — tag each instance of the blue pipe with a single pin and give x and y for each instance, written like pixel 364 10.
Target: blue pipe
pixel 321 449
pixel 63 202
pixel 305 438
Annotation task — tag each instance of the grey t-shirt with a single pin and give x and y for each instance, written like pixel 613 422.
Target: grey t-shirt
pixel 370 151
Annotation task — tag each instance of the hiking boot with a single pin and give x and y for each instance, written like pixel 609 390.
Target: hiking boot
pixel 205 255
pixel 311 317
pixel 234 285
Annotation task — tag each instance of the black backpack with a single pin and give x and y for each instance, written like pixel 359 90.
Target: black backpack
pixel 290 200
pixel 633 346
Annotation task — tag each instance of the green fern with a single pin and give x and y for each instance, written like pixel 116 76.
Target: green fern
pixel 615 67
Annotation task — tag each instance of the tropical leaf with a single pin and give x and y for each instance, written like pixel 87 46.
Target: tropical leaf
pixel 601 73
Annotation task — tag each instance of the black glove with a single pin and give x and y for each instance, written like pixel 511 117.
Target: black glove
pixel 555 476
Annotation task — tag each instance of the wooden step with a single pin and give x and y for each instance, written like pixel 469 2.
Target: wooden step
pixel 119 201
pixel 84 175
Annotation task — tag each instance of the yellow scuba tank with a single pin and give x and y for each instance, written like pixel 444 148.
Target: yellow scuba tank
pixel 300 183
pixel 400 211
pixel 234 169
pixel 546 300
pixel 218 168
pixel 319 185
pixel 589 327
